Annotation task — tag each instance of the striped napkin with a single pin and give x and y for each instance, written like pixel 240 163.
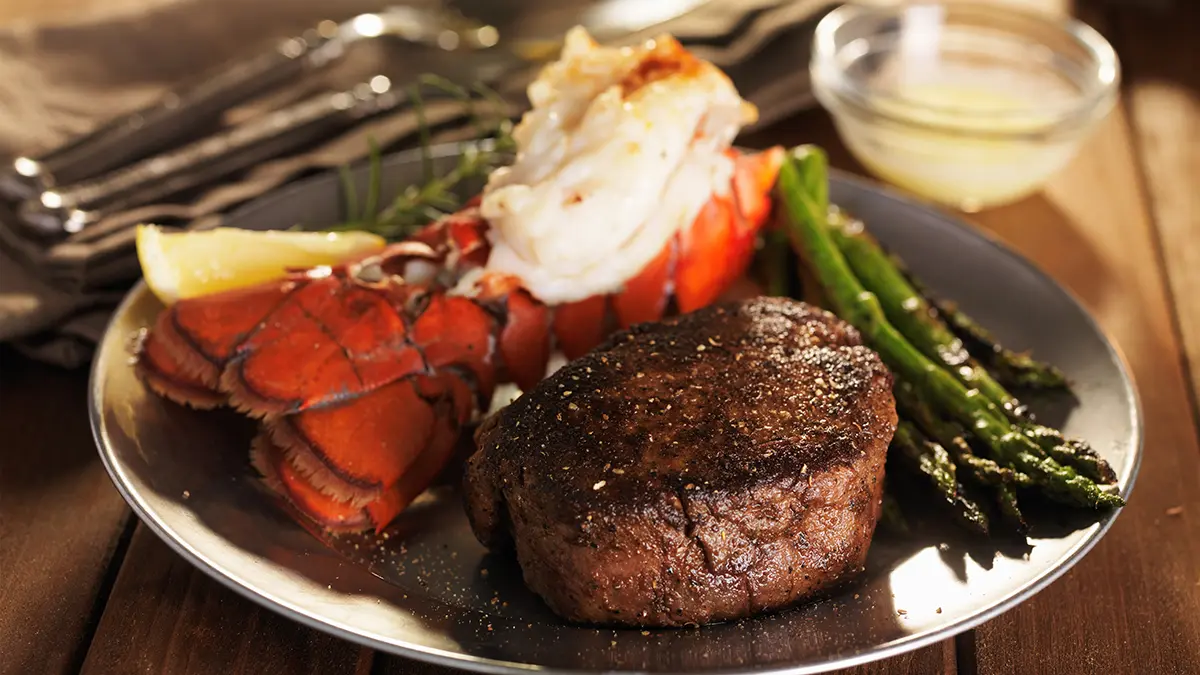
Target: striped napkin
pixel 56 81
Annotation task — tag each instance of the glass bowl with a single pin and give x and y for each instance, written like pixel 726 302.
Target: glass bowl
pixel 971 105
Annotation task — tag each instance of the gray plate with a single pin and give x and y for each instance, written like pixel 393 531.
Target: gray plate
pixel 430 592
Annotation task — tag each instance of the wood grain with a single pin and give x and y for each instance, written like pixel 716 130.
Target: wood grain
pixel 60 518
pixel 1162 87
pixel 166 616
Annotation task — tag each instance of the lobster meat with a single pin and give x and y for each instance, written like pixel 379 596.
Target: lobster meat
pixel 364 375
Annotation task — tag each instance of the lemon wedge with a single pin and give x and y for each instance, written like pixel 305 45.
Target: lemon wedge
pixel 180 265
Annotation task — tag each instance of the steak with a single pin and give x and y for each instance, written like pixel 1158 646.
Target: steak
pixel 704 468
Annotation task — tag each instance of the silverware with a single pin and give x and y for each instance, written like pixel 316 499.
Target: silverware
pixel 114 169
pixel 197 108
pixel 72 208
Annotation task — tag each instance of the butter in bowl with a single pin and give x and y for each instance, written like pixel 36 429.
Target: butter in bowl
pixel 969 105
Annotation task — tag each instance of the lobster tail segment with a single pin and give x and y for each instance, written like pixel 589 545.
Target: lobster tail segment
pixel 170 377
pixel 318 507
pixel 330 340
pixel 324 492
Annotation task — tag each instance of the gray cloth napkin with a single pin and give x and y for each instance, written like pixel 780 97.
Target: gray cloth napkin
pixel 59 80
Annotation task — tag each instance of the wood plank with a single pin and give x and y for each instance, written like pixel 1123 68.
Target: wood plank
pixel 166 616
pixel 1162 87
pixel 60 518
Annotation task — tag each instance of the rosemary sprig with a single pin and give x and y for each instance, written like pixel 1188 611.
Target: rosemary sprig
pixel 420 204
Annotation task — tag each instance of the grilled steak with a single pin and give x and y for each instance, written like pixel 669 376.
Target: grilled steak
pixel 704 468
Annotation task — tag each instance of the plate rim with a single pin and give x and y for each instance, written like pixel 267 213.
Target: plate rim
pixel 452 659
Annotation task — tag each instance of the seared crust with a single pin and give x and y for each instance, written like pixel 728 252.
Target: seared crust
pixel 698 469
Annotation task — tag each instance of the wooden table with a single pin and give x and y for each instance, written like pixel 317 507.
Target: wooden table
pixel 84 586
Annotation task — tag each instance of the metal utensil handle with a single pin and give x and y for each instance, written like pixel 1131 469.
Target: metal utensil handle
pixel 175 117
pixel 74 207
pixel 209 160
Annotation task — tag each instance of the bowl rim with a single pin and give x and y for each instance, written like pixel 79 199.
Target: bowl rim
pixel 837 92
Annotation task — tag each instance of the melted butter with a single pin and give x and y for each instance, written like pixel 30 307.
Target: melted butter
pixel 969 145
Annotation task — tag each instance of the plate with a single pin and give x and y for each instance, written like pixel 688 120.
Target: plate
pixel 429 591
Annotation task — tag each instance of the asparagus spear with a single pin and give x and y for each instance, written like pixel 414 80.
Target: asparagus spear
pixel 803 187
pixel 1013 369
pixel 984 470
pixel 1006 498
pixel 933 462
pixel 913 316
pixel 952 437
pixel 1071 451
pixel 911 313
pixel 1000 480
